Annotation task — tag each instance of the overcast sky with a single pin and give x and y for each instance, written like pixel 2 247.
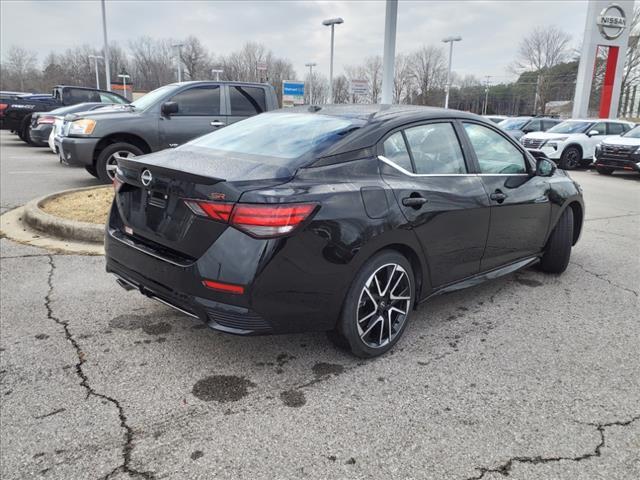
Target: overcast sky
pixel 491 30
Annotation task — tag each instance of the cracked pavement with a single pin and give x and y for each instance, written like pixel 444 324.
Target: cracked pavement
pixel 530 376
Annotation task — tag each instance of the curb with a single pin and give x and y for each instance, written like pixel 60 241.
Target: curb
pixel 62 228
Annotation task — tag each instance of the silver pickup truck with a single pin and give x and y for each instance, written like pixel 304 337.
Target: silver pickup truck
pixel 164 118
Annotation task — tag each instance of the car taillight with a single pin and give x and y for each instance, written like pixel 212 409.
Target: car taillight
pixel 3 107
pixel 258 220
pixel 224 287
pixel 46 120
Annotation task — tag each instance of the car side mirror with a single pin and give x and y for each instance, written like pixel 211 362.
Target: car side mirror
pixel 169 108
pixel 545 167
pixel 593 133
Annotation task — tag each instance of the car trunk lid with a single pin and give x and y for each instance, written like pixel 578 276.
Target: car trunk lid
pixel 151 198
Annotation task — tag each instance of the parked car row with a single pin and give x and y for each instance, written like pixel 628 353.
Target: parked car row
pixel 17 109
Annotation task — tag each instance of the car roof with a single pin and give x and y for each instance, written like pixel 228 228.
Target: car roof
pixel 597 120
pixel 375 120
pixel 218 82
pixel 374 113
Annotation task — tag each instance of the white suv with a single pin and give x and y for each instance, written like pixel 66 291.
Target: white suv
pixel 572 143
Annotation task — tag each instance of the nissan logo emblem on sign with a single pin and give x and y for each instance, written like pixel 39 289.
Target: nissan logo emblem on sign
pixel 612 22
pixel 146 178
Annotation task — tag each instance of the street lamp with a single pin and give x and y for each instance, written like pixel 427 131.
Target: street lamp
pixel 217 71
pixel 179 46
pixel 124 75
pixel 332 22
pixel 95 63
pixel 450 41
pixel 107 67
pixel 310 65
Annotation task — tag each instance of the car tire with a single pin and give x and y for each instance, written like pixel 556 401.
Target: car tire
pixel 557 253
pixel 105 164
pixel 92 170
pixel 372 320
pixel 604 170
pixel 571 158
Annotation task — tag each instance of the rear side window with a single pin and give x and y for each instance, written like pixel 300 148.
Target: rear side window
pixel 198 101
pixel 247 101
pixel 395 149
pixel 495 153
pixel 76 95
pixel 435 149
pixel 616 128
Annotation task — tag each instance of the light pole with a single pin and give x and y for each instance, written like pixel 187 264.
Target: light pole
pixel 107 68
pixel 217 72
pixel 178 46
pixel 310 65
pixel 332 22
pixel 389 56
pixel 450 41
pixel 95 63
pixel 486 94
pixel 124 75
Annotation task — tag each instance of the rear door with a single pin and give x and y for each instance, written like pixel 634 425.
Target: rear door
pixel 245 101
pixel 199 113
pixel 443 201
pixel 520 206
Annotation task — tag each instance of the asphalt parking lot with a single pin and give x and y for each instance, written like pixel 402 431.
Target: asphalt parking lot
pixel 527 377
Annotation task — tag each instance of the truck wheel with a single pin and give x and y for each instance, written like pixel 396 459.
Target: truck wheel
pixel 571 158
pixel 107 162
pixel 558 250
pixel 604 170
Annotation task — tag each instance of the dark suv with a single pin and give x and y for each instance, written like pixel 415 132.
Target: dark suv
pixel 164 118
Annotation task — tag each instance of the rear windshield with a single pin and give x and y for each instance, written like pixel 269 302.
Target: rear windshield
pixel 280 135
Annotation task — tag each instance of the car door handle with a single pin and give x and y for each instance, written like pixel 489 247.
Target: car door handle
pixel 498 196
pixel 217 123
pixel 414 202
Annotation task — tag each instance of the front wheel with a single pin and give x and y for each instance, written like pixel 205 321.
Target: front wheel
pixel 570 158
pixel 378 305
pixel 557 253
pixel 107 159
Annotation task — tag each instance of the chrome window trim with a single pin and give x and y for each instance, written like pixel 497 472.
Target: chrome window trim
pixel 384 159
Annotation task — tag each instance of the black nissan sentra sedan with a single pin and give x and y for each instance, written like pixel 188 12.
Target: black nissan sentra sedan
pixel 338 219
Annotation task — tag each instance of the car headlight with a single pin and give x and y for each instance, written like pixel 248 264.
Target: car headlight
pixel 84 126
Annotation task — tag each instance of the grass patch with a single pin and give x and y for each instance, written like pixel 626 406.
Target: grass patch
pixel 90 206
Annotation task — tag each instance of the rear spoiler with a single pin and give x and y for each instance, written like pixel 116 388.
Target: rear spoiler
pixel 132 169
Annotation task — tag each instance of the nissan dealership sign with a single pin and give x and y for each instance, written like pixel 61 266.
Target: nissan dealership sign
pixel 612 21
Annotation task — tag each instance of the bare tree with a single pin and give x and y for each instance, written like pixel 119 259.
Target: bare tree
pixel 20 63
pixel 631 75
pixel 196 59
pixel 402 79
pixel 152 62
pixel 542 49
pixel 341 89
pixel 429 71
pixel 317 86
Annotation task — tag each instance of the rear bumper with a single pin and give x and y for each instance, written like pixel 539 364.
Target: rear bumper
pixel 76 152
pixel 278 297
pixel 40 134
